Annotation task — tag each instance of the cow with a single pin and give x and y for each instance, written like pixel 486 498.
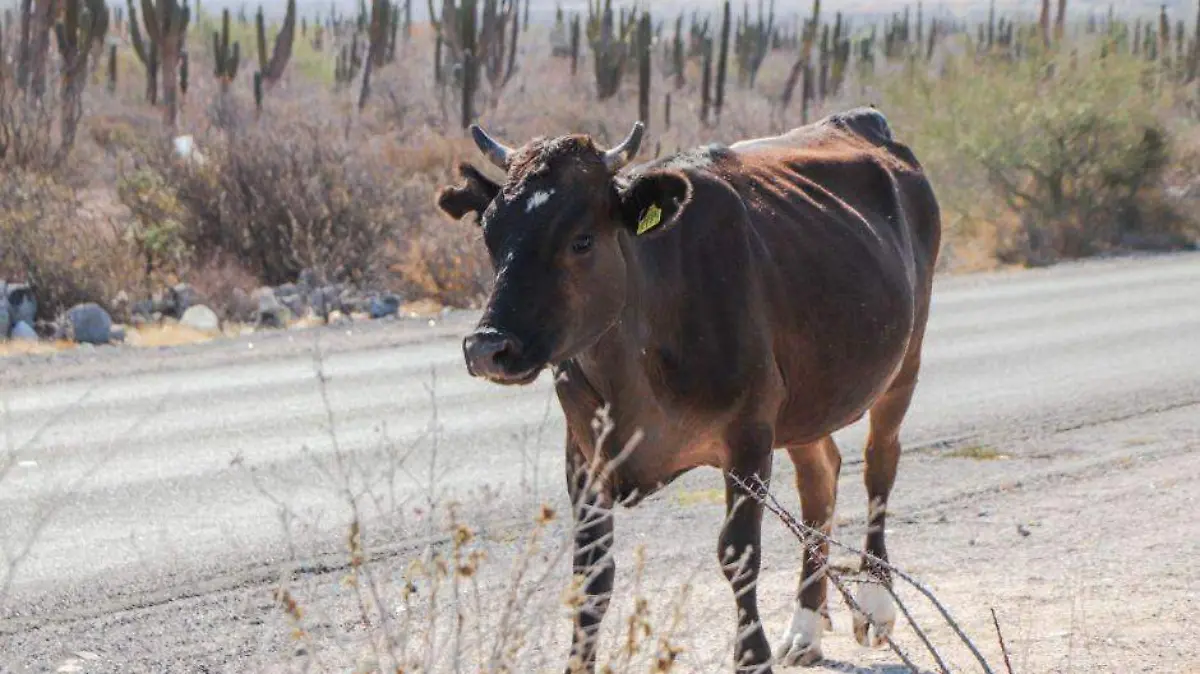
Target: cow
pixel 718 304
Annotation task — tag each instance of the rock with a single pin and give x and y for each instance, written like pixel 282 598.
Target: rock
pixel 143 309
pixel 180 298
pixel 243 308
pixel 354 302
pixel 338 318
pixel 200 317
pixel 24 332
pixel 325 300
pixel 271 312
pixel 87 323
pixel 388 305
pixel 22 305
pixel 307 279
pixel 117 334
pixel 295 304
pixel 5 314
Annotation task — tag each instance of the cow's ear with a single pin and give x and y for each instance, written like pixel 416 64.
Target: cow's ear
pixel 653 202
pixel 472 195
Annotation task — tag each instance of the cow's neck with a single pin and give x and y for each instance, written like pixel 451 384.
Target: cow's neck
pixel 620 364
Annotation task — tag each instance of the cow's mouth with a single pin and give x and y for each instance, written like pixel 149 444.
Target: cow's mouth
pixel 511 378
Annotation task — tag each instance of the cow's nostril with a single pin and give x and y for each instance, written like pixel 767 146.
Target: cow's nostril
pixel 488 352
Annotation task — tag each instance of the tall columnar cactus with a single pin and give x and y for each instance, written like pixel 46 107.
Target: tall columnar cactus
pixel 678 62
pixel 166 24
pixel 643 55
pixel 147 53
pixel 347 63
pixel 272 69
pixel 723 59
pixel 112 68
pixel 706 81
pixel 83 26
pixel 470 42
pixel 227 56
pixel 609 39
pixel 753 41
pixel 499 31
pixel 37 18
pixel 377 31
pixel 575 34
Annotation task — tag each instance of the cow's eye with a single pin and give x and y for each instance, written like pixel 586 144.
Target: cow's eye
pixel 581 244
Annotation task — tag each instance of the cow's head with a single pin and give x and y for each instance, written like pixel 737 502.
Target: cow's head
pixel 557 231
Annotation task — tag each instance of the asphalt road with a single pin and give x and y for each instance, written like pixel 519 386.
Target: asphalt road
pixel 147 484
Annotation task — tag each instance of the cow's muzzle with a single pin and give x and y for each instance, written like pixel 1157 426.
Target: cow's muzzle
pixel 495 356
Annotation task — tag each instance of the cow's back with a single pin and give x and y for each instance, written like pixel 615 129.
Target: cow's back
pixel 844 230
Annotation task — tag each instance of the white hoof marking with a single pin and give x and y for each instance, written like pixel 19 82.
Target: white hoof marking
pixel 802 643
pixel 877 608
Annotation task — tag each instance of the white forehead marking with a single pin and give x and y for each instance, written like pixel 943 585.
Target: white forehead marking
pixel 537 199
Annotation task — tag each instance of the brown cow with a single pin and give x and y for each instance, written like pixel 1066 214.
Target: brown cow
pixel 721 302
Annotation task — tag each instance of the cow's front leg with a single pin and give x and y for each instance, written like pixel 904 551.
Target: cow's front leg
pixel 594 565
pixel 740 542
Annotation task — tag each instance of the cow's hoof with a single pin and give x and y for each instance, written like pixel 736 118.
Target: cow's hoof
pixel 875 602
pixel 801 646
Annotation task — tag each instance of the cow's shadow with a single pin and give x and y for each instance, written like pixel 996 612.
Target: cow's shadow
pixel 850 668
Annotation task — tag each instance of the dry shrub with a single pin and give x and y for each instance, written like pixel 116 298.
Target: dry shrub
pixel 68 257
pixel 282 198
pixel 223 284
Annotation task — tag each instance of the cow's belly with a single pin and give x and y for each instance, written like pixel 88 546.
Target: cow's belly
pixel 837 368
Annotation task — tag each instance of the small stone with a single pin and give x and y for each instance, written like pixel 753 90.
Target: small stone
pixel 201 318
pixel 5 315
pixel 388 305
pixel 117 334
pixel 271 312
pixel 24 332
pixel 22 305
pixel 87 323
pixel 181 297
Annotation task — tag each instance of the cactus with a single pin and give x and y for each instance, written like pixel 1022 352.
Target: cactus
pixel 706 81
pixel 272 70
pixel 394 17
pixel 470 43
pixel 346 65
pixel 610 46
pixel 112 68
pixel 499 32
pixel 227 56
pixel 82 27
pixel 752 42
pixel 37 19
pixel 575 33
pixel 166 24
pixel 678 62
pixel 643 53
pixel 377 32
pixel 147 53
pixel 722 60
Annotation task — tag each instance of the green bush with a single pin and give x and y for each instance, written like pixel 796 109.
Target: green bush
pixel 1073 149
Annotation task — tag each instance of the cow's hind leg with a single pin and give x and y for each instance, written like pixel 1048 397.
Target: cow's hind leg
pixel 881 459
pixel 593 561
pixel 817 468
pixel 739 546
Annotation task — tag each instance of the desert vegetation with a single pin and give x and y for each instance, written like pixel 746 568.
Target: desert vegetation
pixel 145 145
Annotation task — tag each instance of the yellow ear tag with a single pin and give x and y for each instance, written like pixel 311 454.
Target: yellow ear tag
pixel 650 219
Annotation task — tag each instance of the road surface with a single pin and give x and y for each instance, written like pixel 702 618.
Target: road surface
pixel 1052 456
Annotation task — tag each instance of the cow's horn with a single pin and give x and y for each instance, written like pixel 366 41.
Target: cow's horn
pixel 493 149
pixel 620 155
